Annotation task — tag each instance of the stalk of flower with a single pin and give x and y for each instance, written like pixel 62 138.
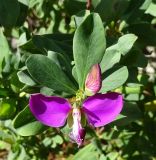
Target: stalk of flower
pixel 99 109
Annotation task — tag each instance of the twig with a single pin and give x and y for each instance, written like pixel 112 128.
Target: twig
pixel 89 2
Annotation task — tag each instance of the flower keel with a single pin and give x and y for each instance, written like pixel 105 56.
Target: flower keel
pixel 78 133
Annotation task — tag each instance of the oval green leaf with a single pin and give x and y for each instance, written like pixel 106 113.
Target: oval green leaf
pixel 88 46
pixel 47 73
pixel 115 79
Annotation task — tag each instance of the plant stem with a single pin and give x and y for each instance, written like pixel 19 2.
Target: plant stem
pixel 89 2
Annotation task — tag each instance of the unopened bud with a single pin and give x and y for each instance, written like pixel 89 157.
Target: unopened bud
pixel 93 80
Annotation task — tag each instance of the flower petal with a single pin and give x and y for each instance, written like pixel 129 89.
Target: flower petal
pixel 102 109
pixel 49 110
pixel 77 134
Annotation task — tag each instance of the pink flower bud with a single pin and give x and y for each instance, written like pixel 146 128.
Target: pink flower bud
pixel 78 133
pixel 93 80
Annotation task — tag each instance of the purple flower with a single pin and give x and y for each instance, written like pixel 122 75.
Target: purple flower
pixel 99 110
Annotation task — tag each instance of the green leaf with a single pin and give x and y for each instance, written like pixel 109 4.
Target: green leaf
pixel 144 31
pixel 145 4
pixel 88 36
pixel 58 47
pixel 80 17
pixel 74 6
pixel 7 108
pixel 47 91
pixel 95 3
pixel 110 10
pixel 62 61
pixel 130 90
pixel 151 9
pixel 16 85
pixel 113 53
pixel 57 139
pixel 134 97
pixel 23 154
pixel 29 46
pixel 110 58
pixel 25 78
pixel 8 138
pixel 136 11
pixel 47 73
pixel 26 125
pixel 18 152
pixel 135 58
pixel 46 43
pixel 74 73
pixel 4 48
pixel 9 11
pixel 102 157
pixel 132 79
pixel 112 155
pixel 4 92
pixel 23 4
pixel 60 43
pixel 65 129
pixel 126 42
pixel 114 79
pixel 130 113
pixel 87 153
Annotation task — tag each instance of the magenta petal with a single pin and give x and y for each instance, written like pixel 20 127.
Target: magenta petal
pixel 102 109
pixel 49 110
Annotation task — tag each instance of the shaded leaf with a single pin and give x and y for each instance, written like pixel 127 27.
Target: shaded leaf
pixel 47 73
pixel 27 126
pixel 10 10
pixel 25 78
pixel 144 31
pixel 7 108
pixel 109 10
pixel 4 48
pixel 80 17
pixel 135 58
pixel 129 113
pixel 87 153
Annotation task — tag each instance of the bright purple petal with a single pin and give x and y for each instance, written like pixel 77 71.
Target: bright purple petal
pixel 49 110
pixel 102 109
